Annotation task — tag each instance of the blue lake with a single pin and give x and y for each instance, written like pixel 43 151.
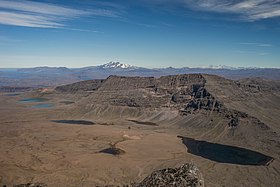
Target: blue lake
pixel 43 105
pixel 31 100
pixel 40 100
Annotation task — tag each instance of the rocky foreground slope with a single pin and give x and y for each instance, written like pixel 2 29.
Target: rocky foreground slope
pixel 187 175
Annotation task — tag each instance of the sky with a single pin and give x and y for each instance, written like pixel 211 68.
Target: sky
pixel 146 33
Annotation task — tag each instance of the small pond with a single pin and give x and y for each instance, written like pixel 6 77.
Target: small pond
pixel 37 100
pixel 43 105
pixel 225 153
pixel 31 100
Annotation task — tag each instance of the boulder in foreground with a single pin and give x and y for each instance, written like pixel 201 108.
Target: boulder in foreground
pixel 187 175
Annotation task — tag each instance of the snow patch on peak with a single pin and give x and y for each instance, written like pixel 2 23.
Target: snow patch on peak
pixel 117 65
pixel 230 67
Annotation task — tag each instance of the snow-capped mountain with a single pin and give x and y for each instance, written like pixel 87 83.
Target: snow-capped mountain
pixel 221 67
pixel 117 65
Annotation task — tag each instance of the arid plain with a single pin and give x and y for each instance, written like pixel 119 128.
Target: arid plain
pixel 76 141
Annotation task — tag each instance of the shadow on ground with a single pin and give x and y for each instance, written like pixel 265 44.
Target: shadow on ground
pixel 225 153
pixel 76 122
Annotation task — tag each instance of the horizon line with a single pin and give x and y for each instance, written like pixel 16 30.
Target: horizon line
pixel 199 67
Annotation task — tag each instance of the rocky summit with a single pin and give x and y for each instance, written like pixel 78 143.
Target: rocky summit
pixel 187 175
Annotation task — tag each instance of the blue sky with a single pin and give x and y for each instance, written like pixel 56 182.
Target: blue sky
pixel 148 33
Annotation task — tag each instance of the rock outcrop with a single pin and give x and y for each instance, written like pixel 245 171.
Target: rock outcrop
pixel 202 99
pixel 187 175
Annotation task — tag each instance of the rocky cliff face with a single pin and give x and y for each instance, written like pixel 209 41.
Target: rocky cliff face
pixel 202 99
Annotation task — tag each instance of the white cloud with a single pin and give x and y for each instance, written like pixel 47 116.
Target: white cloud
pixel 263 54
pixel 251 52
pixel 42 8
pixel 44 15
pixel 256 44
pixel 249 10
pixel 28 20
pixel 82 30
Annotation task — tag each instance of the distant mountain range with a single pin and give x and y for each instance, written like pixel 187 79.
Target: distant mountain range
pixel 53 76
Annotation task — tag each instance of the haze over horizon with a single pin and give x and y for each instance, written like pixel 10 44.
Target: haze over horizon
pixel 152 34
pixel 220 66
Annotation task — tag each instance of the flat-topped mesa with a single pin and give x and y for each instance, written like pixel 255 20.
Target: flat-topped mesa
pixel 83 86
pixel 172 91
pixel 186 93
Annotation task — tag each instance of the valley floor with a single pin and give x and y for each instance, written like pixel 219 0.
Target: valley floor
pixel 35 148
